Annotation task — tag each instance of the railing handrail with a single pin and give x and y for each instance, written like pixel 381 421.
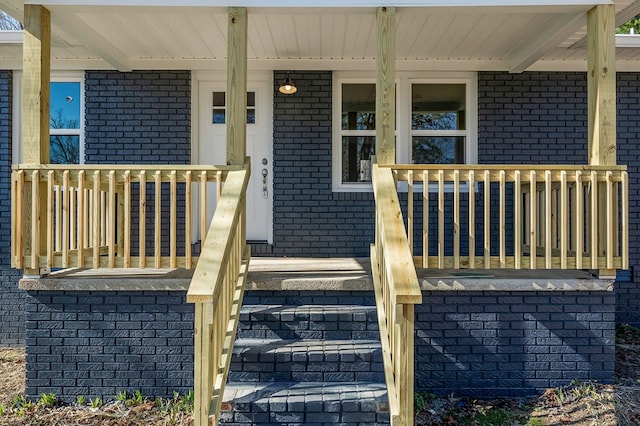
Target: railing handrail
pixel 397 291
pixel 206 281
pixel 476 167
pixel 88 214
pixel 217 289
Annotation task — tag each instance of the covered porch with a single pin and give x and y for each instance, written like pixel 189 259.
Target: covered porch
pixel 428 218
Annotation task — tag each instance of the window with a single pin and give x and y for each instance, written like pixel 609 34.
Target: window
pixel 435 123
pixel 358 130
pixel 438 123
pixel 65 123
pixel 219 108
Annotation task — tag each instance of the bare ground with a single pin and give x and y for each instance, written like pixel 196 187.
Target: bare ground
pixel 575 404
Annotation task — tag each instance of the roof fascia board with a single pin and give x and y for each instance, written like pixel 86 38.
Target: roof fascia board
pixel 525 55
pixel 327 3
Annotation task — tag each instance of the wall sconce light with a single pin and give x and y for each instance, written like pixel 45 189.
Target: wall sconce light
pixel 288 88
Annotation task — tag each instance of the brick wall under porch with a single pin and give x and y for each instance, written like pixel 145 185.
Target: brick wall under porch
pixel 98 343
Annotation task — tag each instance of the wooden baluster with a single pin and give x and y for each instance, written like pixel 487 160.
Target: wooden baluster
pixel 533 223
pixel 142 226
pixel 609 229
pixel 624 180
pixel 56 213
pixel 548 220
pixel 126 227
pixel 410 210
pixel 173 219
pixel 487 219
pixel 111 219
pixel 51 219
pixel 158 218
pixel 425 219
pixel 579 212
pixel 595 218
pixel 187 218
pixel 441 219
pixel 65 218
pixel 517 220
pixel 203 207
pixel 17 225
pixel 96 219
pixel 35 220
pixel 472 220
pixel 503 220
pixel 82 218
pixel 456 219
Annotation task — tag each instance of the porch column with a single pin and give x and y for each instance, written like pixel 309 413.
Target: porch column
pixel 601 89
pixel 601 80
pixel 36 70
pixel 385 85
pixel 237 86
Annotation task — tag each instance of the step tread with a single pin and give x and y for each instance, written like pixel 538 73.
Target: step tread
pixel 241 392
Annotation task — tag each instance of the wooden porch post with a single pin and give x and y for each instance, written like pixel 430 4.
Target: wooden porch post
pixel 386 85
pixel 237 86
pixel 601 88
pixel 36 69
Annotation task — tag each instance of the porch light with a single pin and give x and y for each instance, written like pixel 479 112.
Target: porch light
pixel 288 88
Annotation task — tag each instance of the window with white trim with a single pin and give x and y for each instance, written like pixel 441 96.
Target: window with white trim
pixel 65 122
pixel 435 123
pixel 66 118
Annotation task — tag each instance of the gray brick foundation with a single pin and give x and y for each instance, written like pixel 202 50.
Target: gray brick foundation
pixel 468 342
pixel 513 343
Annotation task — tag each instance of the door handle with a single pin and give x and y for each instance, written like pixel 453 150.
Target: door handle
pixel 265 191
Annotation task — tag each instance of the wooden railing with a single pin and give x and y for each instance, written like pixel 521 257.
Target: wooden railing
pixel 397 291
pixel 109 216
pixel 521 217
pixel 216 290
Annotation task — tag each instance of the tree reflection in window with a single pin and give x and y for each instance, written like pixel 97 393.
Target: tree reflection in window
pixel 358 131
pixel 64 123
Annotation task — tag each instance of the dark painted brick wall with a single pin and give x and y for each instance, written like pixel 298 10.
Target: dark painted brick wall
pixel 96 344
pixel 513 343
pixel 138 117
pixel 11 299
pixel 141 117
pixel 308 218
pixel 541 118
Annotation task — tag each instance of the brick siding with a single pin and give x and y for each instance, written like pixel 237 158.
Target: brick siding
pixel 513 343
pixel 541 118
pixel 11 299
pixel 308 218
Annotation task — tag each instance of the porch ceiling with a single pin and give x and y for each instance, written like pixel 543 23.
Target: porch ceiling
pixel 468 36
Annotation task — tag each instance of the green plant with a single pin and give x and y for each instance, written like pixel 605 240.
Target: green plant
pixel 1 409
pixel 535 422
pixel 492 417
pixel 96 403
pixel 121 396
pixel 138 398
pixel 560 395
pixel 81 400
pixel 47 400
pixel 22 405
pixel 421 400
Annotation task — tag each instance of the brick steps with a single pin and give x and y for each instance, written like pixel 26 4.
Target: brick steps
pixel 309 364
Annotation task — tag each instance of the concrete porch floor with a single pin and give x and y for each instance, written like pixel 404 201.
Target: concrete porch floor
pixel 284 273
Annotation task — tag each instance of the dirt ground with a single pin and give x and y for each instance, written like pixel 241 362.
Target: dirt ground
pixel 575 404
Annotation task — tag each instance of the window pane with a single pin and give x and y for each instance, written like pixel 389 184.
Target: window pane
pixel 218 99
pixel 64 149
pixel 356 158
pixel 438 107
pixel 437 150
pixel 218 116
pixel 251 116
pixel 65 105
pixel 358 106
pixel 251 99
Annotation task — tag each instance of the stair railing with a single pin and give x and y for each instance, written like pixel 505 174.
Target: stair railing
pixel 216 289
pixel 397 291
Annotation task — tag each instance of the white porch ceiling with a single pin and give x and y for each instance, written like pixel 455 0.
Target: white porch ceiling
pixel 466 36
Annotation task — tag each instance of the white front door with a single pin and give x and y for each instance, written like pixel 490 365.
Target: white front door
pixel 212 149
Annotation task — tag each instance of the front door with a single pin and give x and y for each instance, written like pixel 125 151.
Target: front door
pixel 212 149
